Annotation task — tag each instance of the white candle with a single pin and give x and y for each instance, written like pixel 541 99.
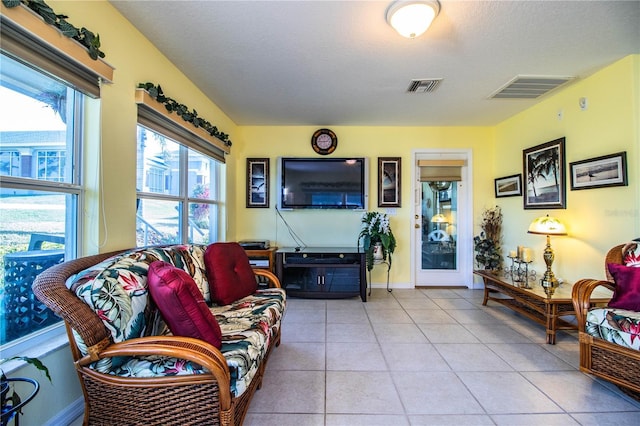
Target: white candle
pixel 520 252
pixel 526 254
pixel 512 254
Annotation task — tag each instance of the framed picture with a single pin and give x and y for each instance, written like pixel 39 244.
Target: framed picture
pixel 258 182
pixel 544 176
pixel 444 195
pixel 508 186
pixel 598 172
pixel 389 181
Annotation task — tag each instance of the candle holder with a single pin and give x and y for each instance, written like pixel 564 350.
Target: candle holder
pixel 520 273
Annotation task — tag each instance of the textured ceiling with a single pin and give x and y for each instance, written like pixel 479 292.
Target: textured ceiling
pixel 339 62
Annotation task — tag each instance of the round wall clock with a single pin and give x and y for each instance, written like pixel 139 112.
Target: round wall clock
pixel 324 141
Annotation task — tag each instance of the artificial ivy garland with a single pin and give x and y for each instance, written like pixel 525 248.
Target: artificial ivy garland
pixel 183 111
pixel 85 37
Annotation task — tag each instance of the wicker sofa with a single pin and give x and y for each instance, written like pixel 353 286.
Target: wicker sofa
pixel 132 369
pixel 609 337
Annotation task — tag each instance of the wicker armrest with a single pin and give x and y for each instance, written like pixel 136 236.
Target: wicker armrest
pixel 581 295
pixel 195 350
pixel 273 279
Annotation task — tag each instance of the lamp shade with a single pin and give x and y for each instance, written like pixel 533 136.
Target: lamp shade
pixel 412 18
pixel 439 218
pixel 547 225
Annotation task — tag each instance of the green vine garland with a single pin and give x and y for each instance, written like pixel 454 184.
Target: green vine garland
pixel 183 111
pixel 85 37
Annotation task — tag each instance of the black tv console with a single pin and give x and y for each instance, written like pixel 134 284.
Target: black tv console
pixel 322 272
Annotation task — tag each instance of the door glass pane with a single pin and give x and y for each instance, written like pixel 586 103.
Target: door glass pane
pixel 157 222
pixel 439 219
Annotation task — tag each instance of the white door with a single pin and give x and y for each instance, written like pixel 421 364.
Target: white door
pixel 443 219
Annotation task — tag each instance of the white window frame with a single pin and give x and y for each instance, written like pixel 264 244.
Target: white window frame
pixel 182 198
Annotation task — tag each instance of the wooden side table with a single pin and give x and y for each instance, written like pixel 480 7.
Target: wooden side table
pixel 261 255
pixel 534 303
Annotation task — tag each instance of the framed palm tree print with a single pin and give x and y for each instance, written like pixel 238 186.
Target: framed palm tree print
pixel 544 176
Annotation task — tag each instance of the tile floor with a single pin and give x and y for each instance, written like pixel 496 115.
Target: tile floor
pixel 427 357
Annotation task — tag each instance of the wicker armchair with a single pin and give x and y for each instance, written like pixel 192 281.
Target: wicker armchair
pixel 202 399
pixel 614 363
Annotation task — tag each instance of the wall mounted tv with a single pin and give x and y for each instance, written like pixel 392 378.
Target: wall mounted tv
pixel 323 183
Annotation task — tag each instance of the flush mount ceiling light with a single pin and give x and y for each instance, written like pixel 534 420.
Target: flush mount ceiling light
pixel 412 18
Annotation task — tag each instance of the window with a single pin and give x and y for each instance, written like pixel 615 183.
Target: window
pixel 40 192
pixel 51 165
pixel 179 197
pixel 9 163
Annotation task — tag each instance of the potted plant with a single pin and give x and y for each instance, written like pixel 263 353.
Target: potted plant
pixel 376 231
pixel 10 401
pixel 487 244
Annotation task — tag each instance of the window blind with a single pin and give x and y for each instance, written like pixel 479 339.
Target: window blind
pixel 441 170
pixel 153 115
pixel 25 37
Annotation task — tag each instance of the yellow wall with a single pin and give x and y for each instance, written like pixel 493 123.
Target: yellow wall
pixel 341 228
pixel 597 219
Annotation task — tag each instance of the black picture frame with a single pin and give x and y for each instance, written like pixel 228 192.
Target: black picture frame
pixel 389 171
pixel 544 175
pixel 257 182
pixel 508 186
pixel 599 172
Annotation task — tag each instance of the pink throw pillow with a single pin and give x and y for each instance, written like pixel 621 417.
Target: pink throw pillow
pixel 181 303
pixel 229 273
pixel 627 291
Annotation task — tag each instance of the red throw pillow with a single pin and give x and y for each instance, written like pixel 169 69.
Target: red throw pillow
pixel 229 273
pixel 627 292
pixel 181 303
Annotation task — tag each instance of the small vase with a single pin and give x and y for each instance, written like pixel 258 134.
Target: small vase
pixel 377 254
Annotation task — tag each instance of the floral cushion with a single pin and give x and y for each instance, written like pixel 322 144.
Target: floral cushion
pixel 631 254
pixel 116 289
pixel 248 327
pixel 617 326
pixel 155 366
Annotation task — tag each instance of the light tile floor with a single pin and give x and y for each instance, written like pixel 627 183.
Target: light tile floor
pixel 427 357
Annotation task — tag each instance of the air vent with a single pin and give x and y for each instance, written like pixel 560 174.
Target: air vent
pixel 529 86
pixel 424 86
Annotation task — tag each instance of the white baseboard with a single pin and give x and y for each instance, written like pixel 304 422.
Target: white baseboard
pixel 69 414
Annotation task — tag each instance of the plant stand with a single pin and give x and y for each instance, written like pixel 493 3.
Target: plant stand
pixel 384 262
pixel 9 413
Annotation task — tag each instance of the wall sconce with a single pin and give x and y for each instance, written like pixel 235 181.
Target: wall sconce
pixel 548 226
pixel 412 18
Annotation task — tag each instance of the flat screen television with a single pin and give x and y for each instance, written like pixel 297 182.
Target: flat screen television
pixel 323 183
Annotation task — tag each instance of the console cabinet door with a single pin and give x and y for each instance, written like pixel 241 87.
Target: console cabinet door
pixel 342 279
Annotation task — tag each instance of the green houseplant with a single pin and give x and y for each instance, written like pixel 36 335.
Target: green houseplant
pixel 376 230
pixel 487 244
pixel 11 402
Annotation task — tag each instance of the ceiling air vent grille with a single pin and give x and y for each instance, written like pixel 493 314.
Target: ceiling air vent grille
pixel 529 86
pixel 424 85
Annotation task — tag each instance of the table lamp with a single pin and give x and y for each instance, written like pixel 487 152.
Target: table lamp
pixel 439 218
pixel 548 226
